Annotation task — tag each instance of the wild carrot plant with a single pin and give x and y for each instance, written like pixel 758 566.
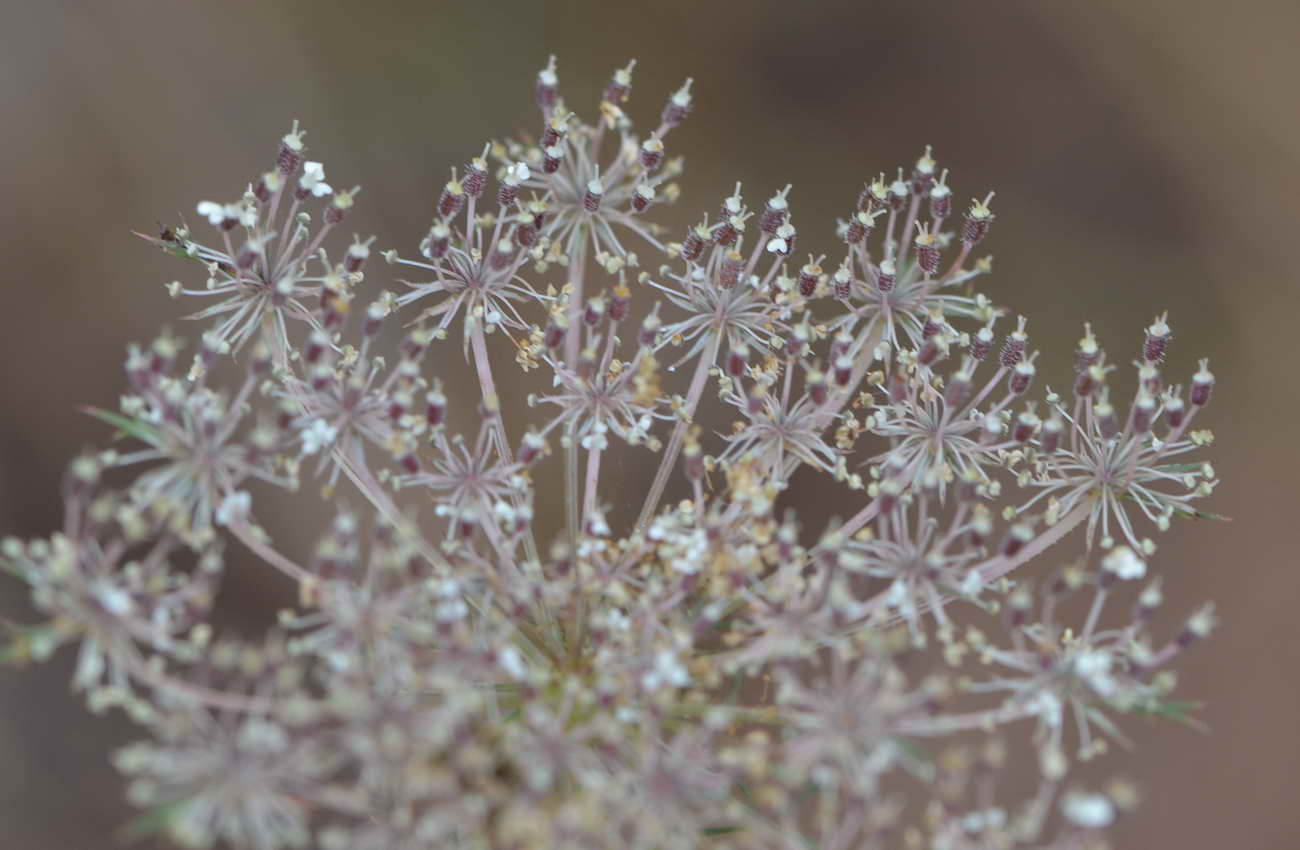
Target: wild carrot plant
pixel 719 670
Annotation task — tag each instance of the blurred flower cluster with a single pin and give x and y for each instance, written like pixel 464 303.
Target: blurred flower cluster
pixel 714 671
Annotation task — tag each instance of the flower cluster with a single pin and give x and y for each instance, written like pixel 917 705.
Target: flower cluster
pixel 715 670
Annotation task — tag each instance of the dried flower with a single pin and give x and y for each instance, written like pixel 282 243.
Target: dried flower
pixel 460 671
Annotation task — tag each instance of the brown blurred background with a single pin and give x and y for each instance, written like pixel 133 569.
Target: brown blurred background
pixel 1145 157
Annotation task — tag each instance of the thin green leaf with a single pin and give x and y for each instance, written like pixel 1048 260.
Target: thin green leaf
pixel 127 426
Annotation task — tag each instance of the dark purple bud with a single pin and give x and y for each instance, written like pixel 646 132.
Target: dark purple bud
pixel 1175 411
pixel 1049 439
pixel 652 153
pixel 356 256
pixel 317 344
pixel 818 390
pixel 843 282
pixel 1021 377
pixel 1202 385
pixel 1016 539
pixel 885 276
pixel 1026 426
pixel 694 243
pixel 650 330
pixel 729 271
pixel 941 198
pixel 775 213
pixel 737 360
pixel 843 372
pixel 923 173
pixel 982 343
pixel 932 350
pixel 1107 419
pixel 532 448
pixel 547 91
pixel 933 324
pixel 897 387
pixel 620 85
pixel 551 159
pixel 435 410
pixel 809 276
pixel 525 235
pixel 1144 412
pixel 1157 340
pixel 1087 354
pixel 476 176
pixel 452 199
pixel 978 220
pixel 959 390
pixel 437 242
pixel 503 255
pixel 678 107
pixel 860 225
pixel 1013 348
pixel 620 303
pixel 289 157
pixel 556 330
pixel 643 197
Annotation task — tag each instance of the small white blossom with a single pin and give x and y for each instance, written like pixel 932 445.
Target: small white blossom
pixel 234 507
pixel 1124 563
pixel 313 179
pixel 317 435
pixel 1089 810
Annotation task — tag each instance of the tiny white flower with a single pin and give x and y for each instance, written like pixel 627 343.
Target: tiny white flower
pixel 235 506
pixel 1124 563
pixel 516 174
pixel 318 435
pixel 215 213
pixel 1089 810
pixel 114 599
pixel 1094 668
pixel 313 179
pixel 512 662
